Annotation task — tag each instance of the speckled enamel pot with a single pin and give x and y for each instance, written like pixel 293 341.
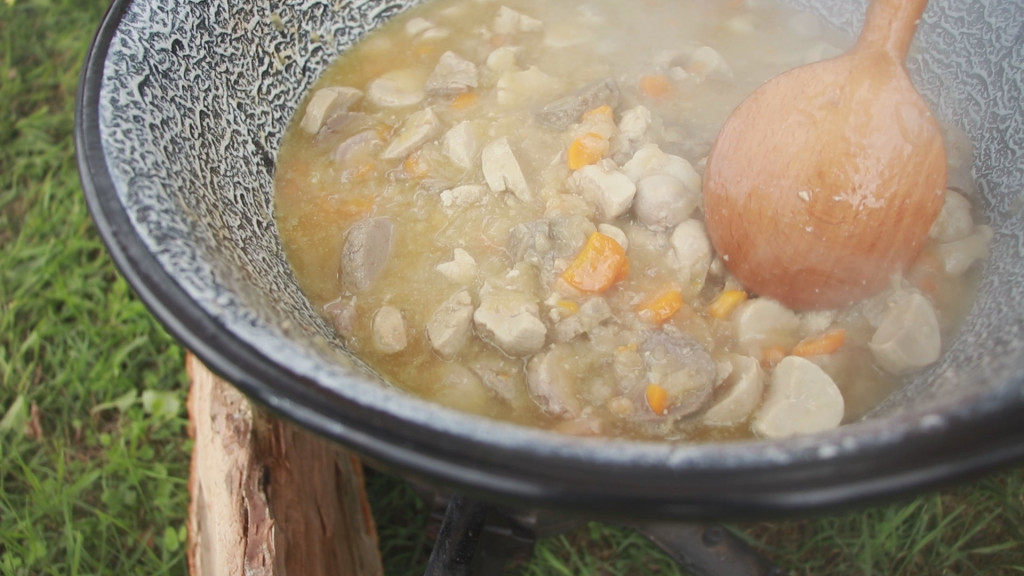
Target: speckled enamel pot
pixel 181 109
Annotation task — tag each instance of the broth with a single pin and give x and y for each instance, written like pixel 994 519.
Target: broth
pixel 497 205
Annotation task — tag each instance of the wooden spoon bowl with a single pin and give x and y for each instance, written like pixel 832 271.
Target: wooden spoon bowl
pixel 825 181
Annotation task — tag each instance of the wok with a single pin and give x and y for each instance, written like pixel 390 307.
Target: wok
pixel 181 107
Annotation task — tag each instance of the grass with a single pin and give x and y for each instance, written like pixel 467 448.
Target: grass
pixel 93 442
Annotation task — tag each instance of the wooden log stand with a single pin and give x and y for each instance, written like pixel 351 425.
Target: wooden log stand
pixel 267 498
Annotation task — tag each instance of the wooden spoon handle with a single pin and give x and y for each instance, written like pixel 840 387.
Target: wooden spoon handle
pixel 890 26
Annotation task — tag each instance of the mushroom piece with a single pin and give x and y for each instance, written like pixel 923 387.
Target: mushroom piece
pixel 418 128
pixel 908 337
pixel 662 201
pixel 563 112
pixel 366 251
pixel 398 88
pixel 501 169
pixel 744 388
pixel 510 320
pixel 325 103
pixel 801 399
pixel 551 378
pixel 763 322
pixel 957 256
pixel 449 328
pixel 388 330
pixel 681 366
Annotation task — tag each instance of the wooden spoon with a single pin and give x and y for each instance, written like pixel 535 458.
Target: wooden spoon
pixel 825 181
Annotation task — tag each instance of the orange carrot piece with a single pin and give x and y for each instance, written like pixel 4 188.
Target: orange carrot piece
pixel 415 165
pixel 464 100
pixel 772 355
pixel 820 344
pixel 726 302
pixel 657 398
pixel 601 263
pixel 661 307
pixel 656 86
pixel 586 150
pixel 603 111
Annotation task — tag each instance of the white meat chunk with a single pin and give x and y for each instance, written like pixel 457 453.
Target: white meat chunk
pixel 417 26
pixel 590 315
pixel 692 249
pixel 463 196
pixel 460 144
pixel 449 328
pixel 521 87
pixel 633 126
pixel 366 251
pixel 452 75
pixel 744 388
pixel 801 399
pixel 908 337
pixel 706 62
pixel 663 201
pixel 955 220
pixel 603 184
pixel 398 88
pixel 762 322
pixel 509 21
pixel 461 269
pixel 328 102
pixel 461 388
pixel 683 367
pixel 417 129
pixel 650 159
pixel 958 256
pixel 501 169
pixel 552 379
pixel 510 320
pixel 388 330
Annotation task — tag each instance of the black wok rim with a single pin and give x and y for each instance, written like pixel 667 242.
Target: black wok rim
pixel 899 459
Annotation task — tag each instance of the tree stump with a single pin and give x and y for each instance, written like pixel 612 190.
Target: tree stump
pixel 267 498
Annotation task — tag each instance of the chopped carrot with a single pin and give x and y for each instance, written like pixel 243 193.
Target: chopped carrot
pixel 819 344
pixel 772 355
pixel 726 302
pixel 601 263
pixel 464 100
pixel 586 150
pixel 662 307
pixel 415 165
pixel 603 112
pixel 569 306
pixel 364 171
pixel 656 86
pixel 424 50
pixel 657 398
pixel 339 208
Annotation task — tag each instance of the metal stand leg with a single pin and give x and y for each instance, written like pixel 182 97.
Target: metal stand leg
pixel 707 549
